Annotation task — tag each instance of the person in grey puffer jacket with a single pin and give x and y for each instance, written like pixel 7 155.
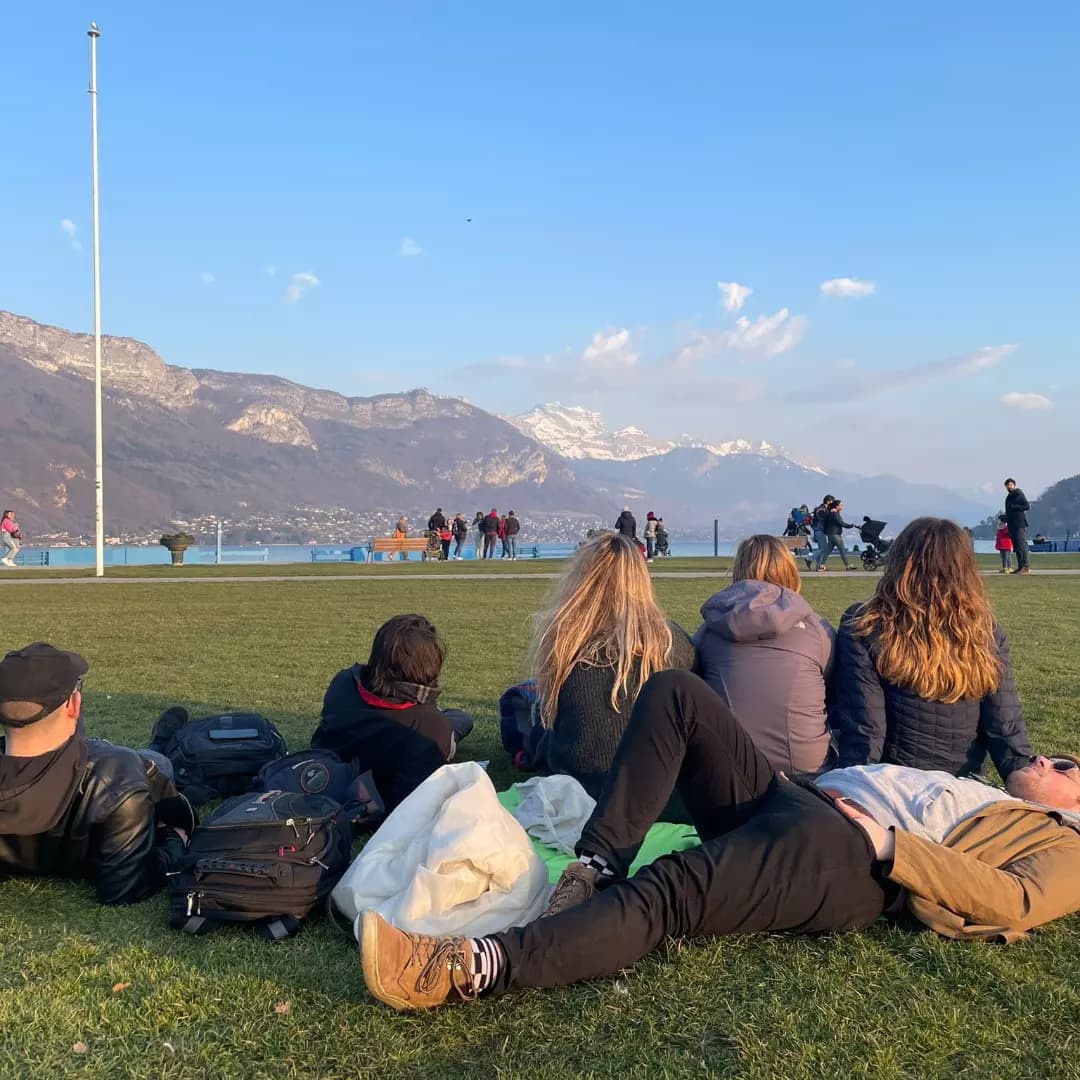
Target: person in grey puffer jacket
pixel 929 617
pixel 768 655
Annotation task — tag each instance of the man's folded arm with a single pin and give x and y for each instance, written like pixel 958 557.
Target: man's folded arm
pixel 1025 893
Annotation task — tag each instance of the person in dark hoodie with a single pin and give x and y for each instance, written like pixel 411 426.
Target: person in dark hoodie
pixel 382 714
pixel 626 525
pixel 73 807
pixel 834 536
pixel 489 526
pixel 768 655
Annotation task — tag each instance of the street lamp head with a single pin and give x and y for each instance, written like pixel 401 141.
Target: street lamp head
pixel 93 32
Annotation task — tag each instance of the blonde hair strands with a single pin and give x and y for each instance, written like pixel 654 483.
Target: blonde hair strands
pixel 602 613
pixel 765 558
pixel 930 621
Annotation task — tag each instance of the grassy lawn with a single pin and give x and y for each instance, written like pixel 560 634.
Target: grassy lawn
pixel 523 565
pixel 886 1003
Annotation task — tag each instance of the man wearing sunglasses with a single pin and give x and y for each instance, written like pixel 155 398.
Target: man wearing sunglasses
pixel 74 807
pixel 959 856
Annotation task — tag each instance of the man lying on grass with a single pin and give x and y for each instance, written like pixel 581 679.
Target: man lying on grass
pixel 964 858
pixel 72 807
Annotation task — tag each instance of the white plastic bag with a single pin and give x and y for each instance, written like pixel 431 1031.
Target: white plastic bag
pixel 553 810
pixel 448 860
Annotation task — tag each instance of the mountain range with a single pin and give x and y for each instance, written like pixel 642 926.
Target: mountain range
pixel 578 433
pixel 183 444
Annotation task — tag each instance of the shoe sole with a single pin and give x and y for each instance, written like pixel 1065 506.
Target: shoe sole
pixel 369 961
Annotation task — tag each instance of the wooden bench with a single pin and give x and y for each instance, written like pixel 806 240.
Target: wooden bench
pixel 392 545
pixel 795 544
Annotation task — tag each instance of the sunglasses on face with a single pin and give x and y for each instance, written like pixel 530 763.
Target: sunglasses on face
pixel 1064 765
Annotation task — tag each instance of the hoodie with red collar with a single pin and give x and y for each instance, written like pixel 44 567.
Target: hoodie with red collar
pixel 402 742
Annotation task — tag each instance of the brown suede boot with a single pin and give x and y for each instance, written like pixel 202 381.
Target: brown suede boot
pixel 414 971
pixel 577 884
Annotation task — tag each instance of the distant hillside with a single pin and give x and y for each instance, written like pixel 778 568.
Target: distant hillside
pixel 185 443
pixel 748 492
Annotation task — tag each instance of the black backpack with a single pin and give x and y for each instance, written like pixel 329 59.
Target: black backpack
pixel 322 772
pixel 219 755
pixel 263 859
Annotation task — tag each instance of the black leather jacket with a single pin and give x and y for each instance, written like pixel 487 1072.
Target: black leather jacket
pixel 106 834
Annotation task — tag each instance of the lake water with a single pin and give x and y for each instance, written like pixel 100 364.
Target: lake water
pixel 155 554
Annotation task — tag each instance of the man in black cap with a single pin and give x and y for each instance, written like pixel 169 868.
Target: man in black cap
pixel 78 808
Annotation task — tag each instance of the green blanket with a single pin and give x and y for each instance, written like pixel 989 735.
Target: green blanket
pixel 661 839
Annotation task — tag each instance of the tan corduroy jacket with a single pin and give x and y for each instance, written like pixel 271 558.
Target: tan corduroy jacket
pixel 999 873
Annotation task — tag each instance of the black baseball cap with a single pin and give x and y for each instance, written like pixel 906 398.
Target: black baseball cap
pixel 40 674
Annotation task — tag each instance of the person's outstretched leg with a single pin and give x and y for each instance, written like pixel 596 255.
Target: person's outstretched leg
pixel 680 735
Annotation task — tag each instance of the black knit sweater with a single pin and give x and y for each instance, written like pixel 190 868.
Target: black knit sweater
pixel 586 729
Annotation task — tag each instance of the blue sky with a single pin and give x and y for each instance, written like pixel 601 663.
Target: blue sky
pixel 617 161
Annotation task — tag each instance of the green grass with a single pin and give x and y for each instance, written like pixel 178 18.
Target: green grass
pixel 523 565
pixel 886 1003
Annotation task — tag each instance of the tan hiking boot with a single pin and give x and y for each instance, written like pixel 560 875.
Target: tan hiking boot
pixel 577 884
pixel 414 971
pixel 1026 570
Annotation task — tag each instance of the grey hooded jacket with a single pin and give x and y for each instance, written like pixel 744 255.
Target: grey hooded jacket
pixel 766 652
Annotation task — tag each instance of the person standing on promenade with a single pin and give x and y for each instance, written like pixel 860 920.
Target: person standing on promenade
pixel 10 537
pixel 1004 545
pixel 650 535
pixel 1016 508
pixel 461 531
pixel 513 527
pixel 489 526
pixel 478 526
pixel 626 525
pixel 401 530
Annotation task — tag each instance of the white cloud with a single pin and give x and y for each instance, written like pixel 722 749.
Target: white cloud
pixel 861 383
pixel 207 278
pixel 734 294
pixel 300 284
pixel 1033 402
pixel 409 248
pixel 612 352
pixel 271 271
pixel 68 228
pixel 846 288
pixel 767 335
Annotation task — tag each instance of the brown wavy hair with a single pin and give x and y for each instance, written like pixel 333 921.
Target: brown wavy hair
pixel 601 613
pixel 930 621
pixel 765 558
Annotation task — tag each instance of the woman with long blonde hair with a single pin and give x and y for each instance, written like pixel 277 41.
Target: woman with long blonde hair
pixel 923 676
pixel 768 655
pixel 596 643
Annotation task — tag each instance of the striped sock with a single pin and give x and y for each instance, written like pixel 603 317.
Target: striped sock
pixel 598 863
pixel 488 961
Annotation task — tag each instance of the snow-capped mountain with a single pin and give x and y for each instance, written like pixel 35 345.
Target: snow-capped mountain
pixel 578 433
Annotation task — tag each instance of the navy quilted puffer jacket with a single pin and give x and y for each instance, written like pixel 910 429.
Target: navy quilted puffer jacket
pixel 875 721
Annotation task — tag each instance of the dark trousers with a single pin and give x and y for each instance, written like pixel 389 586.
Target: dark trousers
pixel 833 541
pixel 489 545
pixel 1018 535
pixel 775 855
pixel 1006 559
pixel 445 545
pixel 459 543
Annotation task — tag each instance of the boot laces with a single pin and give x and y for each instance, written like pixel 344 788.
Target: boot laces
pixel 437 954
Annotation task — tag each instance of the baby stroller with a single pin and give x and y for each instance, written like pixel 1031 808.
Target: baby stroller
pixel 873 555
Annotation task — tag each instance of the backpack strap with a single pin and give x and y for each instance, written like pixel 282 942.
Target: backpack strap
pixel 284 926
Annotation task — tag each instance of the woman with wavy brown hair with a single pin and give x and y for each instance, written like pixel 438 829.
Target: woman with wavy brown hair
pixel 600 638
pixel 923 676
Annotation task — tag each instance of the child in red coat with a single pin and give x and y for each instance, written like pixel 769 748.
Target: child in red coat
pixel 1004 545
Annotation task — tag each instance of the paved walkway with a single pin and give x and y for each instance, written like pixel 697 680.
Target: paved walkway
pixel 360 578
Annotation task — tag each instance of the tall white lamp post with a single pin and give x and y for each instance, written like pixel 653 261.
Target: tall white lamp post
pixel 99 506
